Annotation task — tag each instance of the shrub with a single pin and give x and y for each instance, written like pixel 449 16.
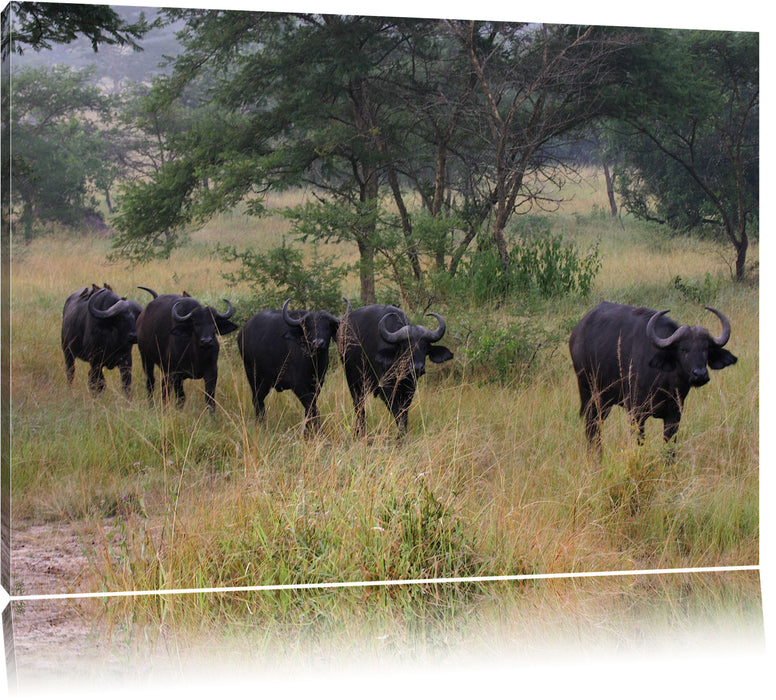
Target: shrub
pixel 281 273
pixel 701 293
pixel 543 265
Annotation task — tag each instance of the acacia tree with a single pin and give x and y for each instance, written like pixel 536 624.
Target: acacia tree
pixel 302 105
pixel 56 159
pixel 689 149
pixel 357 108
pixel 32 25
pixel 535 83
pixel 38 25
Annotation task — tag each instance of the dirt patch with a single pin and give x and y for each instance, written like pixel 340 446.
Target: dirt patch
pixel 57 634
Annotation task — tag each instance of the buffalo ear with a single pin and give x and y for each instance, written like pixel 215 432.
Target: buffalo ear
pixel 719 358
pixel 225 326
pixel 439 353
pixel 664 360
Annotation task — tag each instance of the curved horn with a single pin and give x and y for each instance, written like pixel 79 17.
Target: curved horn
pixel 110 312
pixel 287 317
pixel 179 317
pixel 229 311
pixel 150 291
pixel 393 336
pixel 436 335
pixel 725 336
pixel 348 308
pixel 663 342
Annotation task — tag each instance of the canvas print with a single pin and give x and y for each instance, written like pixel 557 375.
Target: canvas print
pixel 334 342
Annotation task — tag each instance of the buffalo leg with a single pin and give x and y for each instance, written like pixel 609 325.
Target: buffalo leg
pixel 210 393
pixel 166 382
pixel 401 421
pixel 671 417
pixel 639 423
pixel 669 432
pixel 359 402
pixel 69 366
pixel 177 387
pixel 96 379
pixel 125 370
pixel 400 412
pixel 312 418
pixel 258 395
pixel 148 368
pixel 590 410
pixel 595 416
pixel 173 383
pixel 258 391
pixel 669 429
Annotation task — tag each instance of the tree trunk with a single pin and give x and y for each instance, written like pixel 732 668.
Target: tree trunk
pixel 406 225
pixel 366 236
pixel 741 248
pixel 366 272
pixel 460 250
pixel 610 190
pixel 501 243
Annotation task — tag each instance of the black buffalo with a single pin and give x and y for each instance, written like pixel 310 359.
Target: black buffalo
pixel 287 350
pixel 642 360
pixel 99 328
pixel 180 335
pixel 384 354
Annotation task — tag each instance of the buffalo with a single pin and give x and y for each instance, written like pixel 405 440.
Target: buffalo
pixel 642 360
pixel 99 328
pixel 287 350
pixel 384 355
pixel 180 335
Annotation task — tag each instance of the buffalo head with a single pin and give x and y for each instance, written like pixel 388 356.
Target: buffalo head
pixel 202 323
pixel 690 349
pixel 312 330
pixel 410 344
pixel 121 313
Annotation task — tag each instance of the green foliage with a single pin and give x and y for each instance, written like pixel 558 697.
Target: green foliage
pixel 59 146
pixel 329 220
pixel 37 25
pixel 688 155
pixel 505 352
pixel 431 541
pixel 434 236
pixel 543 265
pixel 282 272
pixel 152 214
pixel 703 292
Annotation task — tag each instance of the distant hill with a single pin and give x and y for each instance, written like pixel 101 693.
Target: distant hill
pixel 115 65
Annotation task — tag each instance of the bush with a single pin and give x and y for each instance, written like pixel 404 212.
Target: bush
pixel 511 350
pixel 280 273
pixel 542 265
pixel 700 293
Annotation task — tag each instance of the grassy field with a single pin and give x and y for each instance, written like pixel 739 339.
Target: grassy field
pixel 493 477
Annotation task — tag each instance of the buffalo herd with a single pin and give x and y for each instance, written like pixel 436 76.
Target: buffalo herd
pixel 634 357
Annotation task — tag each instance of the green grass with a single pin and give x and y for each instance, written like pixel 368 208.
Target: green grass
pixel 493 477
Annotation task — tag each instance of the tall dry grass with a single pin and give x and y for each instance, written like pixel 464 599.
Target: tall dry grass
pixel 492 479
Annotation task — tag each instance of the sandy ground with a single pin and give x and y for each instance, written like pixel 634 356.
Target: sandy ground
pixel 50 637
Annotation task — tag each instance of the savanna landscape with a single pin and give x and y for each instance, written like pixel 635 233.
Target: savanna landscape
pixel 493 477
pixel 503 176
